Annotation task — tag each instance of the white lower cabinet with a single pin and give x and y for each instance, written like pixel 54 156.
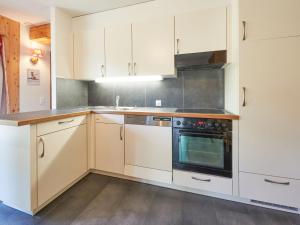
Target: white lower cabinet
pixel 110 147
pixel 276 190
pixel 203 182
pixel 62 158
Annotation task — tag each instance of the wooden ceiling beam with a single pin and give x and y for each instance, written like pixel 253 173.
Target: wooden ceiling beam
pixel 41 34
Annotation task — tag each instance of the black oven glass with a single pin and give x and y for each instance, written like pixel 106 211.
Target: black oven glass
pixel 201 150
pixel 203 145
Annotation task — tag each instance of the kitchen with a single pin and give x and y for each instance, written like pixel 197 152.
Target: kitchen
pixel 169 105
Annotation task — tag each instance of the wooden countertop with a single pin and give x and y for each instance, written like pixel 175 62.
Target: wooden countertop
pixel 20 119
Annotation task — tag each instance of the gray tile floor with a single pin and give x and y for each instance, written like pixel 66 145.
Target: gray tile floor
pixel 105 200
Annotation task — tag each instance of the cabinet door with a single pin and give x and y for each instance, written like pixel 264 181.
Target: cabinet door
pixel 118 50
pixel 270 123
pixel 89 54
pixel 110 147
pixel 153 47
pixel 270 18
pixel 61 160
pixel 200 31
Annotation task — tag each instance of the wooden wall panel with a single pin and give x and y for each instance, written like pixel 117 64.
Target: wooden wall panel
pixel 10 30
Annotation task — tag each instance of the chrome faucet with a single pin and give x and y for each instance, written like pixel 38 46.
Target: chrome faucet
pixel 117 101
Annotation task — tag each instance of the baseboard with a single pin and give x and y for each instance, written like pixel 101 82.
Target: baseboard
pixel 194 191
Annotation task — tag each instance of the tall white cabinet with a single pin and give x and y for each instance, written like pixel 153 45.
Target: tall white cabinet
pixel 269 18
pixel 269 125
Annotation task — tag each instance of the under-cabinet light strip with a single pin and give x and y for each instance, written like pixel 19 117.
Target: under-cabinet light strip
pixel 129 79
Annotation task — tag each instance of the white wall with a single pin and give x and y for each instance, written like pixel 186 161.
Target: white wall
pixel 33 98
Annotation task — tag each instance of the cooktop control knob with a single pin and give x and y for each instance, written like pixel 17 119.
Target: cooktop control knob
pixel 178 122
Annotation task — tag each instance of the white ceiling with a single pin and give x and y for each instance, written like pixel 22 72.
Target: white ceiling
pixel 38 11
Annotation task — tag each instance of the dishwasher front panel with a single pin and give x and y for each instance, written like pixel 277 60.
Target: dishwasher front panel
pixel 148 146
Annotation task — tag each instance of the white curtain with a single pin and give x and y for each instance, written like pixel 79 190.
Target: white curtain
pixel 3 80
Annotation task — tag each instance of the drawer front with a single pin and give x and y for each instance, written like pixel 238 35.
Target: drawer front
pixel 109 118
pixel 270 189
pixel 57 125
pixel 204 182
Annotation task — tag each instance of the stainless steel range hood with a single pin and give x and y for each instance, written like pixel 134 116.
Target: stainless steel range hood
pixel 202 60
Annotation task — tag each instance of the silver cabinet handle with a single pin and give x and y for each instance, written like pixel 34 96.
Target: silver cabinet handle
pixel 134 68
pixel 102 70
pixel 121 133
pixel 199 179
pixel 244 97
pixel 244 30
pixel 177 45
pixel 41 140
pixel 129 68
pixel 276 182
pixel 63 122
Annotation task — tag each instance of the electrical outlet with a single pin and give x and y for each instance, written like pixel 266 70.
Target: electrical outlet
pixel 158 103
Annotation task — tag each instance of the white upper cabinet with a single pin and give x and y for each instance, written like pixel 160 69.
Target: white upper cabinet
pixel 89 58
pixel 200 31
pixel 153 47
pixel 269 130
pixel 118 50
pixel 269 18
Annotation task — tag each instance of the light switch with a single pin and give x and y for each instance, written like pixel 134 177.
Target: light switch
pixel 158 103
pixel 42 100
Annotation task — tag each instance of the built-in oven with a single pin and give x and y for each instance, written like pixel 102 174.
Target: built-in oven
pixel 203 145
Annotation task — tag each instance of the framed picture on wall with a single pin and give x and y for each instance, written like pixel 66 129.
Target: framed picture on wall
pixel 33 77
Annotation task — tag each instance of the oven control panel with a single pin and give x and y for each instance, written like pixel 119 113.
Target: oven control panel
pixel 201 124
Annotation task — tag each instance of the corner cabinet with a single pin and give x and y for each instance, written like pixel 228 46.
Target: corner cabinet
pixel 41 161
pixel 201 31
pixel 89 57
pixel 110 143
pixel 62 158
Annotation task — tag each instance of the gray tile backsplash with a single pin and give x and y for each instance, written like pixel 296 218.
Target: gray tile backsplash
pixel 101 94
pixel 71 93
pixel 191 89
pixel 203 89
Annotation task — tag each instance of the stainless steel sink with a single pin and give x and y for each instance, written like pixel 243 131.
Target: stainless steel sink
pixel 109 108
pixel 121 108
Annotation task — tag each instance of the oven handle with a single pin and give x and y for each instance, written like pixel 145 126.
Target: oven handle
pixel 181 132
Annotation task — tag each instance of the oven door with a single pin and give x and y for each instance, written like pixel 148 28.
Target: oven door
pixel 202 152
